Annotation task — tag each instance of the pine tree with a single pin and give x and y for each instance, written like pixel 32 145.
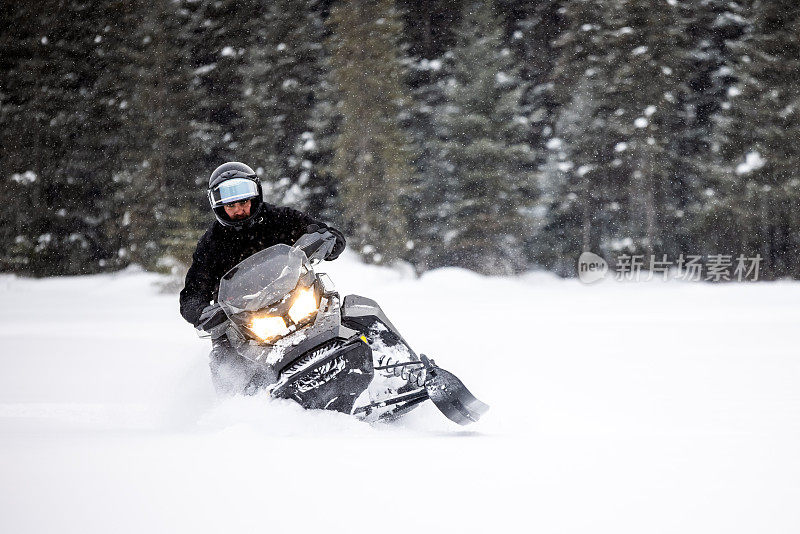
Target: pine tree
pixel 372 154
pixel 483 127
pixel 66 114
pixel 649 74
pixel 613 179
pixel 429 25
pixel 427 31
pixel 425 203
pixel 164 163
pixel 581 167
pixel 755 192
pixel 539 26
pixel 315 151
pixel 534 31
pixel 708 62
pixel 21 59
pixel 281 70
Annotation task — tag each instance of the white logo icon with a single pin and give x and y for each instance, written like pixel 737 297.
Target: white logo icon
pixel 591 268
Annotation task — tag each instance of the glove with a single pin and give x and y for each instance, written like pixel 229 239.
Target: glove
pixel 213 320
pixel 338 246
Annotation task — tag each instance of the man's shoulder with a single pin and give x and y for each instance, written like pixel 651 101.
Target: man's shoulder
pixel 271 212
pixel 272 209
pixel 285 211
pixel 212 233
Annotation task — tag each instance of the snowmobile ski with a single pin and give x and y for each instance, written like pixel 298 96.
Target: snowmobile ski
pixel 450 395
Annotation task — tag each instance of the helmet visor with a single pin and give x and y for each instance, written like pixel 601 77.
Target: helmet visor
pixel 232 191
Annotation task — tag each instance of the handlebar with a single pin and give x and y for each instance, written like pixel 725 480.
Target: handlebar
pixel 316 245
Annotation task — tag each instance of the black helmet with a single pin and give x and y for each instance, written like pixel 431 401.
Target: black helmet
pixel 233 182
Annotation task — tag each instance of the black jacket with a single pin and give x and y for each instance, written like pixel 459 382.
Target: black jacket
pixel 222 247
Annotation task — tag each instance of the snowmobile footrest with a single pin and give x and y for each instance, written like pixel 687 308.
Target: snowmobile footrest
pixel 413 397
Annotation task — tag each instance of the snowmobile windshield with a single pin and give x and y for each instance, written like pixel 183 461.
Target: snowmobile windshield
pixel 262 279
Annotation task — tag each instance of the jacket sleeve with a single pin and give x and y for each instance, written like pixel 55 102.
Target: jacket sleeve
pixel 296 224
pixel 199 286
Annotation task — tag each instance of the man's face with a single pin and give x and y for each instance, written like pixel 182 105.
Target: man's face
pixel 238 210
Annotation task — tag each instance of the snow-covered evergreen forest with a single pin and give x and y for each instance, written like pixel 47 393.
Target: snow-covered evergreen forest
pixel 498 136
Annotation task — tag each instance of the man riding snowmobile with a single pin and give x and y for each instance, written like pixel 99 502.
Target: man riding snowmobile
pixel 244 225
pixel 281 328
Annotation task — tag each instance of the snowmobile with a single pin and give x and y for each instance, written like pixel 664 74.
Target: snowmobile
pixel 324 351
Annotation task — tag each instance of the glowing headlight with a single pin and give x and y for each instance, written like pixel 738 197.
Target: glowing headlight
pixel 304 305
pixel 268 327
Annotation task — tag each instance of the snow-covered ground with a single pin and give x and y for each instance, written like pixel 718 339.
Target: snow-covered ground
pixel 617 407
